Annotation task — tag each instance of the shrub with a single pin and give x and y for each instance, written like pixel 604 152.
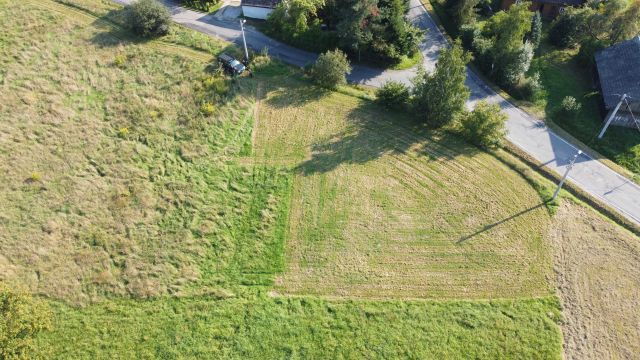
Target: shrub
pixel 588 50
pixel 531 88
pixel 570 106
pixel 330 69
pixel 148 18
pixel 393 95
pixel 21 319
pixel 468 33
pixel 207 109
pixel 120 60
pixel 484 126
pixel 202 5
pixel 216 84
pixel 564 31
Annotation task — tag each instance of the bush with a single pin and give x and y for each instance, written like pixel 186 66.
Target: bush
pixel 484 126
pixel 531 88
pixel 330 69
pixel 564 30
pixel 202 5
pixel 207 109
pixel 22 318
pixel 393 95
pixel 148 18
pixel 588 50
pixel 468 33
pixel 570 106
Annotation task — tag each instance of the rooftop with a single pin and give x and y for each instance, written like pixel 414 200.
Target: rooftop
pixel 619 71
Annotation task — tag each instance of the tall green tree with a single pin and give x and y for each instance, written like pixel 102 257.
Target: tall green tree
pixel 441 95
pixel 509 53
pixel 462 11
pixel 535 34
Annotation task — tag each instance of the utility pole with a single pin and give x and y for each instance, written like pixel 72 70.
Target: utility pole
pixel 244 41
pixel 611 116
pixel 566 174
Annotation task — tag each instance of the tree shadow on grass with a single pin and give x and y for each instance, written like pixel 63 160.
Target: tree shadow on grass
pixel 373 133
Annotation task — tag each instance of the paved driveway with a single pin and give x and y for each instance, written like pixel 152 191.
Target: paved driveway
pixel 526 132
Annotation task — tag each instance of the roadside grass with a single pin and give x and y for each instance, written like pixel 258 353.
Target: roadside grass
pixel 382 207
pixel 409 62
pixel 305 328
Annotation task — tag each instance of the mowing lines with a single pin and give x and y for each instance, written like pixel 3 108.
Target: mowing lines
pixel 382 208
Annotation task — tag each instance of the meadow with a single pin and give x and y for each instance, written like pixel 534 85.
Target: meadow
pixel 165 211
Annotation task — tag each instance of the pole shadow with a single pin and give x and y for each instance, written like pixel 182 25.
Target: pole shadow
pixel 497 223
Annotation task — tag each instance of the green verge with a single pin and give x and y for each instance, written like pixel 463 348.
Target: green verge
pixel 306 328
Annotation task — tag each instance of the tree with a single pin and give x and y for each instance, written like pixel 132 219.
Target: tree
pixel 509 53
pixel 535 34
pixel 393 95
pixel 564 30
pixel 148 18
pixel 484 126
pixel 330 69
pixel 439 96
pixel 292 17
pixel 21 318
pixel 462 11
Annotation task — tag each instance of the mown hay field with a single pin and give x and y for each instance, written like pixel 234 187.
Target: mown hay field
pixel 383 208
pixel 156 227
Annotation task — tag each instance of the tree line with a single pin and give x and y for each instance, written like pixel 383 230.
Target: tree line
pixel 375 31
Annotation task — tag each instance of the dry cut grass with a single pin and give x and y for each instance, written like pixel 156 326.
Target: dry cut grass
pixel 383 208
pixel 598 276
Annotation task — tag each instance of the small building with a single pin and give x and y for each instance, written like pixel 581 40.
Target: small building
pixel 258 9
pixel 547 8
pixel 619 73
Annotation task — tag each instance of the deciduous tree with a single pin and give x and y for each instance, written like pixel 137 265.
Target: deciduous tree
pixel 439 96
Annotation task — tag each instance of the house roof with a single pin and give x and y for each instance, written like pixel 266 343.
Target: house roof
pixel 619 71
pixel 261 3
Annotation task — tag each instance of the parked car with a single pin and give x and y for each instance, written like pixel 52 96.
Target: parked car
pixel 231 64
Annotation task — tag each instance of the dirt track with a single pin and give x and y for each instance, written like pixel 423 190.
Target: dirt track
pixel 597 266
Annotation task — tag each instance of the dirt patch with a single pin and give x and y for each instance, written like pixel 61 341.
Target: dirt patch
pixel 597 265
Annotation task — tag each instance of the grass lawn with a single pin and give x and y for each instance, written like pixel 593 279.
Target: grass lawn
pixel 156 229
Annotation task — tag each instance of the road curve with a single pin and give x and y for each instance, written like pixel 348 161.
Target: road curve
pixel 524 131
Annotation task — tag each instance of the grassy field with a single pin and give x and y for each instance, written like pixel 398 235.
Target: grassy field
pixel 121 189
pixel 383 208
pixel 159 228
pixel 307 328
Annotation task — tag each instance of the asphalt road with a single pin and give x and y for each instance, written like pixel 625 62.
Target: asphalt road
pixel 527 133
